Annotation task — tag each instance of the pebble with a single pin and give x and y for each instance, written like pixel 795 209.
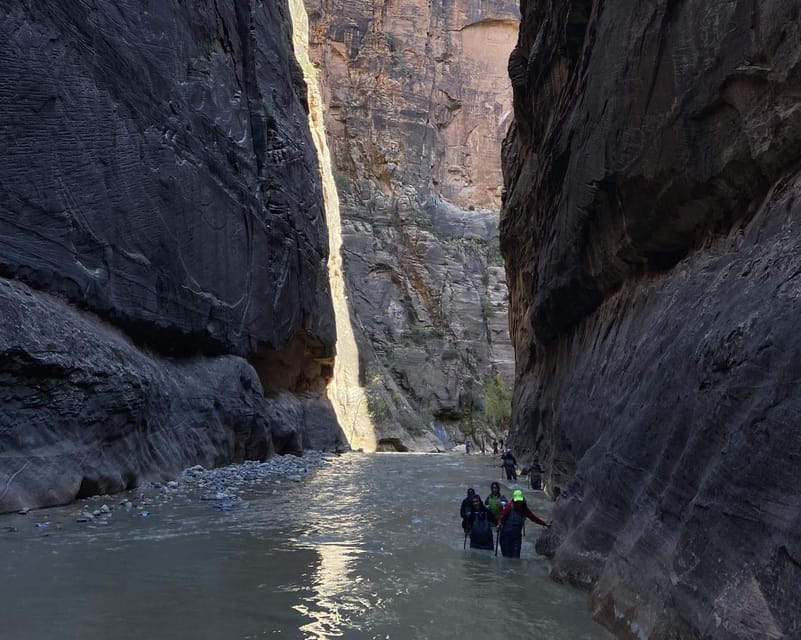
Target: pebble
pixel 224 482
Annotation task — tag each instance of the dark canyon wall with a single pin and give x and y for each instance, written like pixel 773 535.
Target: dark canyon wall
pixel 652 233
pixel 161 223
pixel 417 103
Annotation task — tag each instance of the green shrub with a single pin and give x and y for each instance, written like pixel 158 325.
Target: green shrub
pixel 498 400
pixel 487 308
pixel 412 424
pixel 450 354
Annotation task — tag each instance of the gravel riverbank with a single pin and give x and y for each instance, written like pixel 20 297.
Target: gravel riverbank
pixel 223 488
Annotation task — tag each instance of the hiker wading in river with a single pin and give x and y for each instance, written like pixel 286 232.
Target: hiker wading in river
pixel 510 525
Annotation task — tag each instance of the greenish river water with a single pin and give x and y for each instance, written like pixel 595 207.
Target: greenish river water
pixel 368 547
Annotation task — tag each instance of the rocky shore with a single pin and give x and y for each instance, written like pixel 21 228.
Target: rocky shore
pixel 222 489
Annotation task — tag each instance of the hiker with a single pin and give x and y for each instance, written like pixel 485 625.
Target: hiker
pixel 480 528
pixel 509 465
pixel 495 447
pixel 535 475
pixel 510 525
pixel 495 502
pixel 466 510
pixel 467 446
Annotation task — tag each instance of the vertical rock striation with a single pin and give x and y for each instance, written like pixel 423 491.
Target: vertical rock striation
pixel 651 234
pixel 157 176
pixel 417 103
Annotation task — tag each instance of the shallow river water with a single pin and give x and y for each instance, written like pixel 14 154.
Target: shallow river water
pixel 368 547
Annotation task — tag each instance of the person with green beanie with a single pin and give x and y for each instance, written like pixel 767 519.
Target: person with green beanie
pixel 510 524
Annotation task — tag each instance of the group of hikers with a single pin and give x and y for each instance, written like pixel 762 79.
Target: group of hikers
pixel 479 517
pixel 509 464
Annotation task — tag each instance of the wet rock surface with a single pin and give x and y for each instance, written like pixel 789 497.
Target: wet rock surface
pixel 651 233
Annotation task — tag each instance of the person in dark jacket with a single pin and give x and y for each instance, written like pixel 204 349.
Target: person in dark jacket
pixel 535 475
pixel 509 465
pixel 495 502
pixel 510 525
pixel 466 510
pixel 480 530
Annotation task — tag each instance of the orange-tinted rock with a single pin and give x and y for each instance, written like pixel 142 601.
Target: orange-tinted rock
pixel 418 101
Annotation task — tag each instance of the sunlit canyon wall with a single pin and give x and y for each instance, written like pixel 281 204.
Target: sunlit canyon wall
pixel 417 100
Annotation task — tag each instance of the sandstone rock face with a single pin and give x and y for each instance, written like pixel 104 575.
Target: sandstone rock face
pixel 157 172
pixel 651 232
pixel 418 101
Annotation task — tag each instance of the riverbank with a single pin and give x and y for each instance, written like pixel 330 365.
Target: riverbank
pixel 222 489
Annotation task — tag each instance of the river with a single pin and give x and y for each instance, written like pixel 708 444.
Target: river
pixel 367 547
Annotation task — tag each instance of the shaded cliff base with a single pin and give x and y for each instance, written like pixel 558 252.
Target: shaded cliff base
pixel 83 411
pixel 674 446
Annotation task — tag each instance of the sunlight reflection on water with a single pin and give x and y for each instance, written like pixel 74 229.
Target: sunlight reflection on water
pixel 368 547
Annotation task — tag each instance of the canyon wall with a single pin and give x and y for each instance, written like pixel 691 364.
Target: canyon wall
pixel 417 103
pixel 163 245
pixel 652 236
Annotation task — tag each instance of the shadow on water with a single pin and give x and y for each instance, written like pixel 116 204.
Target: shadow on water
pixel 368 547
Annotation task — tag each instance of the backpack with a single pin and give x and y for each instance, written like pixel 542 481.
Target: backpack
pixel 495 505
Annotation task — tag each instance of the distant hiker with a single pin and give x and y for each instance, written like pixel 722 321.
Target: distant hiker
pixel 495 447
pixel 500 443
pixel 480 528
pixel 509 465
pixel 510 525
pixel 535 475
pixel 466 510
pixel 467 446
pixel 495 502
